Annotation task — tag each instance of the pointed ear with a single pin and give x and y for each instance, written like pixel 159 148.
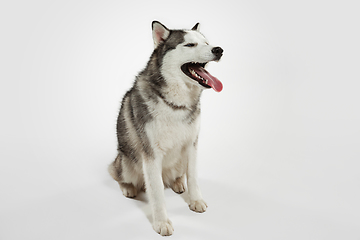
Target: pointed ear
pixel 159 32
pixel 196 27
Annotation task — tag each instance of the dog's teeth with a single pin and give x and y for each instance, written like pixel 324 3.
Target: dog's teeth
pixel 192 71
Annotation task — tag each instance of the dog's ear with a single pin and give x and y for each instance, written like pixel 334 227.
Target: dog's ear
pixel 196 27
pixel 160 33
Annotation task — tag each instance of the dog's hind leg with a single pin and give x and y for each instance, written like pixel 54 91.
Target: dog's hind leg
pixel 179 185
pixel 116 171
pixel 128 189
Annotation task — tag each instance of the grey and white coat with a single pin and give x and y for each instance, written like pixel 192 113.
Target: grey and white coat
pixel 159 121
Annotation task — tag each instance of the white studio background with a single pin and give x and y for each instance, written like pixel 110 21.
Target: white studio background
pixel 279 147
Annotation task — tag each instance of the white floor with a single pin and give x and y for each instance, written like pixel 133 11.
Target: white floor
pixel 99 211
pixel 279 146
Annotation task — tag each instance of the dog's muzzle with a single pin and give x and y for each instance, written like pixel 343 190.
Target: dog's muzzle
pixel 196 71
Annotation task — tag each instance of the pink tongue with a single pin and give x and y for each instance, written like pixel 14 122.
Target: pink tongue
pixel 212 81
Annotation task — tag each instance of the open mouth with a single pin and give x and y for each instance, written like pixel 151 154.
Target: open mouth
pixel 196 71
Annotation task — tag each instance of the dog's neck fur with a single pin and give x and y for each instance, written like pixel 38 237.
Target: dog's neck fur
pixel 178 89
pixel 171 88
pixel 180 93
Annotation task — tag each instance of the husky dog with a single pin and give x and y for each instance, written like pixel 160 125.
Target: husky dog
pixel 159 121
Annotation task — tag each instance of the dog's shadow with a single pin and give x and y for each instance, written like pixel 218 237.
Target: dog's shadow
pixel 142 201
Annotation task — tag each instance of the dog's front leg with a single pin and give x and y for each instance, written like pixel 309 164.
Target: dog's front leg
pixel 197 203
pixel 155 189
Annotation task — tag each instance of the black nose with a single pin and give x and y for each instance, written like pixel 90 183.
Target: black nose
pixel 217 51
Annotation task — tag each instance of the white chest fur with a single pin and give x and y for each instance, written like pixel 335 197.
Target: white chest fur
pixel 170 128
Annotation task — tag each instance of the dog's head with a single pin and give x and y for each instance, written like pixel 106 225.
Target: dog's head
pixel 185 54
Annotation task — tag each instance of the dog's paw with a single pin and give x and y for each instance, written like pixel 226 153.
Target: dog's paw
pixel 179 185
pixel 164 228
pixel 128 189
pixel 198 206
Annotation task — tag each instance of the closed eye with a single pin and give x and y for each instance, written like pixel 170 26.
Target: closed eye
pixel 191 45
